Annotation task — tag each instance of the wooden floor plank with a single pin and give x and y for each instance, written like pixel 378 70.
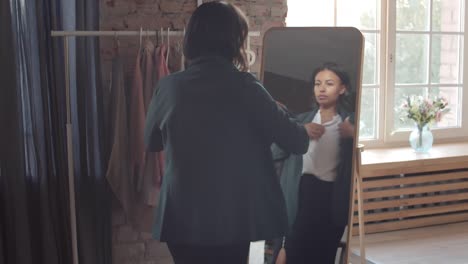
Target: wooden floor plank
pixel 428 245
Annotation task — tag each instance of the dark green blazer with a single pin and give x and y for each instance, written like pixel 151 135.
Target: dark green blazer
pixel 216 125
pixel 291 172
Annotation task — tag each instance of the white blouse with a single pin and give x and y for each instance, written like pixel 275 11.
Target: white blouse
pixel 322 157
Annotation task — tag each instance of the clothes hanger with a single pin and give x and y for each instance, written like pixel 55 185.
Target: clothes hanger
pixel 141 35
pixel 116 52
pixel 156 36
pixel 168 47
pixel 251 56
pixel 181 51
pixel 116 43
pixel 162 35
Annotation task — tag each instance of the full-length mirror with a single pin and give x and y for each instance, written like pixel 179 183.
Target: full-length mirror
pixel 315 75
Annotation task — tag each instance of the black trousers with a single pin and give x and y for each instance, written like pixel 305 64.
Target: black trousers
pixel 314 238
pixel 196 254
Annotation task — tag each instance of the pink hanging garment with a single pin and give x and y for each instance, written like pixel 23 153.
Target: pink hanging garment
pixel 149 188
pixel 161 70
pixel 141 216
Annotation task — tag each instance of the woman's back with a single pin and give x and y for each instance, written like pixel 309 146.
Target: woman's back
pixel 216 125
pixel 220 185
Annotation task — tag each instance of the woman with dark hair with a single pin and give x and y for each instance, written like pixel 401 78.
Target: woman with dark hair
pixel 216 124
pixel 316 185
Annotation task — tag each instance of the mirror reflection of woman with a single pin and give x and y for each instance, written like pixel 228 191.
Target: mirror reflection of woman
pixel 316 185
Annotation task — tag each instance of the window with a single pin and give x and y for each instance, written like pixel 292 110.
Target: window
pixel 412 47
pixel 427 48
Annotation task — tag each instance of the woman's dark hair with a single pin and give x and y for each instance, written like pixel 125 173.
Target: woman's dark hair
pixel 217 28
pixel 336 69
pixel 347 100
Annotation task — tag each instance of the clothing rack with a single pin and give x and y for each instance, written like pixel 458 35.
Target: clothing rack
pixel 146 33
pixel 66 34
pixel 113 33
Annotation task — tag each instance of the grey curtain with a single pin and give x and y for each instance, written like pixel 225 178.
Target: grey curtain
pixel 34 212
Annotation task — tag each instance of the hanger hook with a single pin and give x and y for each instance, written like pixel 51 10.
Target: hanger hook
pixel 156 37
pixel 168 47
pixel 168 34
pixel 162 35
pixel 141 35
pixel 116 42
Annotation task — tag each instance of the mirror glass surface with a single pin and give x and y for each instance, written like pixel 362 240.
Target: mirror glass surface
pixel 292 62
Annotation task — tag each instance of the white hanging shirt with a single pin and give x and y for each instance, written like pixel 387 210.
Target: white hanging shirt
pixel 322 157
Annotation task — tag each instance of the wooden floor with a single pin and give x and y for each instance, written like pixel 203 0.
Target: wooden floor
pixel 429 245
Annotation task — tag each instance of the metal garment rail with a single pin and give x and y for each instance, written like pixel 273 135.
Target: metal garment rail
pixel 142 32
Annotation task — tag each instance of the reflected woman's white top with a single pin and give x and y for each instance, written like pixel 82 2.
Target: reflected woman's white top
pixel 322 157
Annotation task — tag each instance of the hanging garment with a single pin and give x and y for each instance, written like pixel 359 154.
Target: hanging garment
pixel 175 59
pixel 141 213
pixel 161 71
pixel 160 59
pixel 135 175
pixel 118 169
pixel 148 185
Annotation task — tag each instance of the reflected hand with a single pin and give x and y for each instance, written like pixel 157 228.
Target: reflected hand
pixel 346 129
pixel 315 131
pixel 281 259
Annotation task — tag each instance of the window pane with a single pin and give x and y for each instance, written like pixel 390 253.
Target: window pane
pixel 445 59
pixel 411 59
pixel 362 16
pixel 412 14
pixel 370 67
pixel 400 94
pixel 452 95
pixel 368 116
pixel 312 13
pixel 446 15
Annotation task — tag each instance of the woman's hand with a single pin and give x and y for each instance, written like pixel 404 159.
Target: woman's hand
pixel 346 129
pixel 314 130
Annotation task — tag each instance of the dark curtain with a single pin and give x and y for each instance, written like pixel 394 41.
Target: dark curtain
pixel 34 201
pixel 34 204
pixel 93 194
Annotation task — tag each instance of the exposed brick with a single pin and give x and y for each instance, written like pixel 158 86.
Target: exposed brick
pixel 259 10
pixel 134 251
pixel 278 11
pixel 118 215
pixel 126 233
pixel 156 249
pixel 149 262
pixel 146 236
pixel 164 260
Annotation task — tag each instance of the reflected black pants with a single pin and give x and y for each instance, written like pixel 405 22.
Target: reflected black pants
pixel 314 238
pixel 195 254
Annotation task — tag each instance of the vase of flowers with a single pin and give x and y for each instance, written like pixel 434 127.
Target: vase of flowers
pixel 421 139
pixel 423 111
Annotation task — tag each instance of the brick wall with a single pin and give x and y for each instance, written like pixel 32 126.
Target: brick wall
pixel 130 246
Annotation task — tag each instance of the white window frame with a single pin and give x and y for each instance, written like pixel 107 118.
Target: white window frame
pixel 384 136
pixel 378 141
pixel 441 135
